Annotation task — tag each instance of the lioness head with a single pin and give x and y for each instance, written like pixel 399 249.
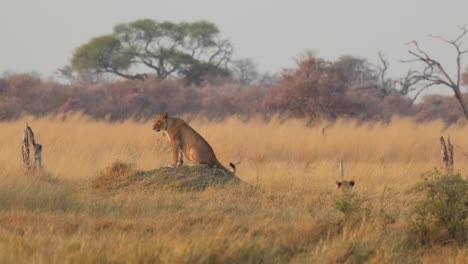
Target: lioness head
pixel 160 122
pixel 345 184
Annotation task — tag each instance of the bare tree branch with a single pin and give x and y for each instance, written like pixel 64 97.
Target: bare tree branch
pixel 434 73
pixel 382 71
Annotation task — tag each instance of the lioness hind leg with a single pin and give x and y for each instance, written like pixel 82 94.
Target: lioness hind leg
pixel 194 157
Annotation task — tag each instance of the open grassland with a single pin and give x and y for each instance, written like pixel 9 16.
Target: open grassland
pixel 292 216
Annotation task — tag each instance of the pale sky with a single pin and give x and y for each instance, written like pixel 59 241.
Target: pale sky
pixel 40 35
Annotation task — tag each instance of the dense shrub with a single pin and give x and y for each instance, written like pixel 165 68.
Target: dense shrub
pixel 439 107
pixel 351 205
pixel 441 215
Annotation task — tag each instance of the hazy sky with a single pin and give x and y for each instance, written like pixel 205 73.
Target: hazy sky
pixel 40 35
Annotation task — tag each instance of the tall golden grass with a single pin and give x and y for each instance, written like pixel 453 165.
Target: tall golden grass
pixel 292 218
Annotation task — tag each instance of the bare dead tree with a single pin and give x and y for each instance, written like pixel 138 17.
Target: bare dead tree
pixel 433 72
pixel 244 71
pixel 446 154
pixel 37 149
pixel 28 136
pixel 386 84
pixel 450 152
pixel 403 86
pixel 25 147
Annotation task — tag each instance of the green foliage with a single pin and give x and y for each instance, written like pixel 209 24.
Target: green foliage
pixel 350 204
pixel 441 215
pixel 101 53
pixel 202 32
pixel 192 51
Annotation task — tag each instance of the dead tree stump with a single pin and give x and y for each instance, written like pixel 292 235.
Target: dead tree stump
pixel 446 154
pixel 25 147
pixel 28 136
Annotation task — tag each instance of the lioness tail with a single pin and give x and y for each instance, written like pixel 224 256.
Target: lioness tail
pixel 233 167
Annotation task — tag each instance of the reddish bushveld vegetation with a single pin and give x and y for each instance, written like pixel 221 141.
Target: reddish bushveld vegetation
pixel 320 89
pixel 316 89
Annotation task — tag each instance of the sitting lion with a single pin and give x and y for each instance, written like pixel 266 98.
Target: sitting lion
pixel 185 140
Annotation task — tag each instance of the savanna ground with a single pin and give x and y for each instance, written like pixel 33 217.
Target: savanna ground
pixel 293 214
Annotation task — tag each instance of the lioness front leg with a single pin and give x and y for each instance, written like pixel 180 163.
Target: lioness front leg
pixel 177 154
pixel 180 159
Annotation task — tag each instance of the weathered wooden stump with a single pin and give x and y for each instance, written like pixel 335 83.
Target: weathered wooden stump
pixel 446 154
pixel 28 136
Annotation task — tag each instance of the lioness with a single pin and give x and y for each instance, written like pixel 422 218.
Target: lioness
pixel 345 184
pixel 185 140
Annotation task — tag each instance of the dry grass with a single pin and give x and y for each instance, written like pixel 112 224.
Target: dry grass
pixel 291 217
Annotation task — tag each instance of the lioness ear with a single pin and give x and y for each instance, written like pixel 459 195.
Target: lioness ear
pixel 165 115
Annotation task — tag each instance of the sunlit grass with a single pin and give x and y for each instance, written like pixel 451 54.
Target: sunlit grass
pixel 291 217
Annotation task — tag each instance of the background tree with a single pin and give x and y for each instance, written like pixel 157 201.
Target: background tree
pixel 315 89
pixel 357 72
pixel 433 73
pixel 361 75
pixel 347 88
pixel 244 71
pixel 104 55
pixel 193 51
pixel 386 84
pixel 267 79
